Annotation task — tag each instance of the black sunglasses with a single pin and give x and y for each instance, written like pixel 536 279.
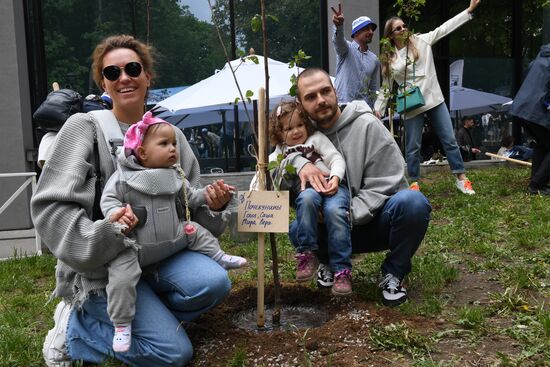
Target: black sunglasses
pixel 399 28
pixel 112 72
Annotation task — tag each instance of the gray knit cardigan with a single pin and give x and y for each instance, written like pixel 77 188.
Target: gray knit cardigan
pixel 62 207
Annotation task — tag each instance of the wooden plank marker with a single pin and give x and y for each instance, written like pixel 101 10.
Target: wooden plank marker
pixel 509 159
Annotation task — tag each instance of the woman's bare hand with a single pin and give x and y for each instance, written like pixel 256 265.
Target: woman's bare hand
pixel 473 5
pixel 218 194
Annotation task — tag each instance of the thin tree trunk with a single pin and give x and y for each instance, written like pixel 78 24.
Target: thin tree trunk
pixel 133 10
pixel 274 256
pixel 148 38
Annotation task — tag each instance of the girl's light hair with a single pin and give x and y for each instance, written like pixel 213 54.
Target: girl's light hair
pixel 292 109
pixel 388 53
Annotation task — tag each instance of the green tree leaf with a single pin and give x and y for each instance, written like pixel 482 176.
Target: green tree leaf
pixel 256 23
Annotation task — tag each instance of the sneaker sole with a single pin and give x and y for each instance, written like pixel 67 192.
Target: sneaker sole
pixel 121 349
pixel 341 294
pixel 395 302
pixel 50 339
pixel 324 285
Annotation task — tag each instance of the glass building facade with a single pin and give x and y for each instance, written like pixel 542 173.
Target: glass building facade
pixel 496 47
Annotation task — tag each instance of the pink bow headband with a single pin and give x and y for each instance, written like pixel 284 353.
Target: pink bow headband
pixel 136 133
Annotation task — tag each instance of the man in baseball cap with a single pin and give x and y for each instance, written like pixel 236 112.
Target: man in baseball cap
pixel 357 67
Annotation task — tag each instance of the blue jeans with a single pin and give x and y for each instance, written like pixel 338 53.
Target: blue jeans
pixel 303 231
pixel 182 287
pixel 443 127
pixel 399 226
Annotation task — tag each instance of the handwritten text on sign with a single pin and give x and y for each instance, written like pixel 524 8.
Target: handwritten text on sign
pixel 263 211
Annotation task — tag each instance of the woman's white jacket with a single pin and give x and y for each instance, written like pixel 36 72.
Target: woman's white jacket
pixel 425 75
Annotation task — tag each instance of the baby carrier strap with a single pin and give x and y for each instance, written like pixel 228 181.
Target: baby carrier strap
pixel 112 133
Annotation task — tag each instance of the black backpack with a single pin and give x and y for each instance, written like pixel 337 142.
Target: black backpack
pixel 56 109
pixel 62 103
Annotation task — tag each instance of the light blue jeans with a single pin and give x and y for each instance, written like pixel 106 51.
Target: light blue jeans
pixel 182 287
pixel 335 209
pixel 443 127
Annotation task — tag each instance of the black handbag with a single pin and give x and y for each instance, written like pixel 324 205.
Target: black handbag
pixel 56 109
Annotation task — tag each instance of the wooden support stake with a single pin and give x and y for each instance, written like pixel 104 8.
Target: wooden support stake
pixel 509 159
pixel 262 160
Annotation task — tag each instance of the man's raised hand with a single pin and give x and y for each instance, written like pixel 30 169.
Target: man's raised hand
pixel 338 16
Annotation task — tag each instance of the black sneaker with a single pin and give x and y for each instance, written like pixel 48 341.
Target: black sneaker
pixel 543 191
pixel 393 292
pixel 325 276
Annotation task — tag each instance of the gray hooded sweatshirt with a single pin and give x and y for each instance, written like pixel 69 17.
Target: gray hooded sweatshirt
pixel 375 168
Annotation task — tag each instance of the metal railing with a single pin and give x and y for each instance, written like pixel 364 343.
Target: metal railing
pixel 30 180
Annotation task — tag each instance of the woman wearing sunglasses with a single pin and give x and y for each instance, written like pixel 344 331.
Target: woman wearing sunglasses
pixel 409 62
pixel 170 292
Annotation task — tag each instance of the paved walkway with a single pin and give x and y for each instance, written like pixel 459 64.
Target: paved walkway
pixel 19 242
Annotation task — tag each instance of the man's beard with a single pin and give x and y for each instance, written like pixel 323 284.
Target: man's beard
pixel 327 117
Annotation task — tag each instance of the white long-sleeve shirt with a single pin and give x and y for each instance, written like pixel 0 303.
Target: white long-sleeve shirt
pixel 425 76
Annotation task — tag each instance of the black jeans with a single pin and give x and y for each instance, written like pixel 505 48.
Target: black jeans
pixel 540 171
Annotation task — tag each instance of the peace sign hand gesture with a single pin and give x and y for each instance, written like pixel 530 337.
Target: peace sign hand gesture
pixel 338 16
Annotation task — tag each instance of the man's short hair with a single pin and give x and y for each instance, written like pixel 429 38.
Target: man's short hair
pixel 308 72
pixel 467 118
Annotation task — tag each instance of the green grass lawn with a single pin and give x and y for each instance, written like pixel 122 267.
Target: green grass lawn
pixel 498 239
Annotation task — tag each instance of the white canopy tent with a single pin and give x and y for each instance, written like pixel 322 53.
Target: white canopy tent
pixel 203 103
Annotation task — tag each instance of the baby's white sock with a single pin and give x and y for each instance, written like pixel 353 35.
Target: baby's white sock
pixel 122 338
pixel 229 261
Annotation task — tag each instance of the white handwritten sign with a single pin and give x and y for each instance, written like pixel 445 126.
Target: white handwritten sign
pixel 263 211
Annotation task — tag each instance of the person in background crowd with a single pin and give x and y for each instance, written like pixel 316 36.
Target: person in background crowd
pixel 531 105
pixel 465 139
pixel 411 56
pixel 486 121
pixel 227 140
pixel 212 142
pixel 509 150
pixel 357 67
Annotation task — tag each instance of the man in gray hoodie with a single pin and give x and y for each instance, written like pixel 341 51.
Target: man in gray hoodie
pixel 385 214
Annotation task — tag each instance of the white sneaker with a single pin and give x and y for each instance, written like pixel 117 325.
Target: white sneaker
pixel 232 261
pixel 465 186
pixel 54 349
pixel 122 339
pixel 325 276
pixel 393 292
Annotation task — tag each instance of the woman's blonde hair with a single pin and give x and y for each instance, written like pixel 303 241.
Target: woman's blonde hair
pixel 276 133
pixel 388 53
pixel 144 52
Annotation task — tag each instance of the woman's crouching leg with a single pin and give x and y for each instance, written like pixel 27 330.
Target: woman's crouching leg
pixel 158 338
pixel 190 284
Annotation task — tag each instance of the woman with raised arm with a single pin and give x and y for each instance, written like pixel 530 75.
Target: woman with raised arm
pixel 409 62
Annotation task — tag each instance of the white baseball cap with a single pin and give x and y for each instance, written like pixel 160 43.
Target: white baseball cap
pixel 361 23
